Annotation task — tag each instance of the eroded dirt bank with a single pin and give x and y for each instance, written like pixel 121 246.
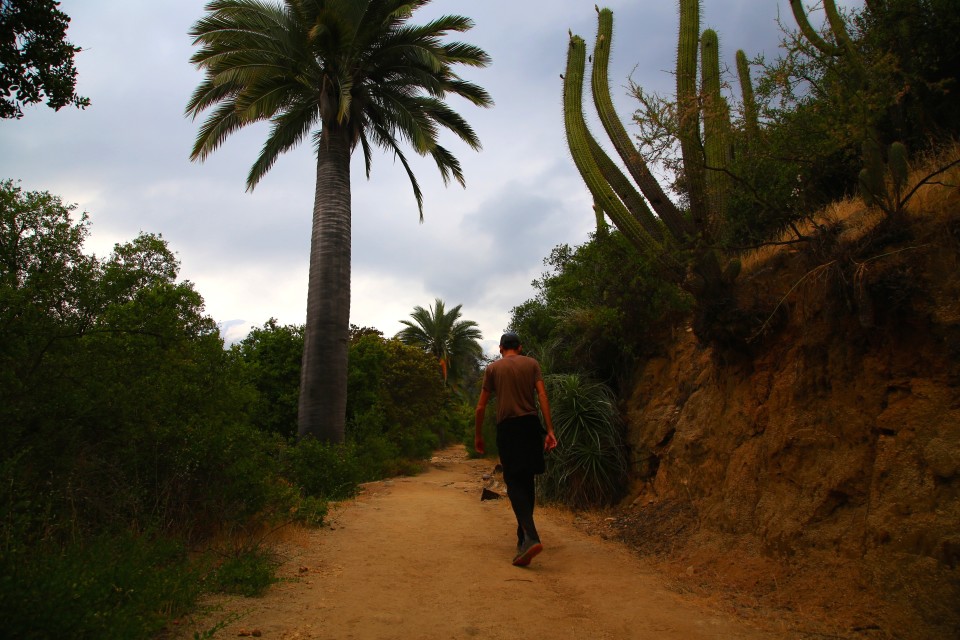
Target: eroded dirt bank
pixel 820 471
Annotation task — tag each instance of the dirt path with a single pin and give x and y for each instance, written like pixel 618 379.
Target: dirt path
pixel 423 557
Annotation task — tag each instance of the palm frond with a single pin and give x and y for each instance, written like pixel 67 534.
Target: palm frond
pixel 356 63
pixel 289 128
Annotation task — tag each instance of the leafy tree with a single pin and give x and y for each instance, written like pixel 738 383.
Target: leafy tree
pixel 271 355
pixel 117 394
pixel 356 73
pixel 398 406
pixel 600 307
pixel 883 74
pixel 920 40
pixel 123 434
pixel 441 333
pixel 43 286
pixel 36 61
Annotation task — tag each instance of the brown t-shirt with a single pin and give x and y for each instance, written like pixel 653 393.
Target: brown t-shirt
pixel 513 380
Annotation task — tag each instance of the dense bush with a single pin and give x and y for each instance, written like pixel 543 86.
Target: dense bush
pixel 398 410
pixel 123 425
pixel 323 469
pixel 270 358
pixel 897 83
pixel 110 587
pixel 247 573
pixel 489 430
pixel 601 307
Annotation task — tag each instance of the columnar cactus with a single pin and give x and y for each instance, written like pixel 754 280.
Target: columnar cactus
pixel 678 225
pixel 750 118
pixel 874 176
pixel 688 109
pixel 613 191
pixel 844 44
pixel 716 129
pixel 684 243
pixel 800 15
pixel 582 148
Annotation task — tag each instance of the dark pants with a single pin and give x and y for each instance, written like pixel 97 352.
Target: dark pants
pixel 522 491
pixel 520 442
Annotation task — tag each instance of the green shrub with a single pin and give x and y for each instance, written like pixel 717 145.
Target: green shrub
pixel 323 469
pixel 121 587
pixel 601 307
pixel 396 405
pixel 489 431
pixel 271 357
pixel 248 573
pixel 589 466
pixel 310 511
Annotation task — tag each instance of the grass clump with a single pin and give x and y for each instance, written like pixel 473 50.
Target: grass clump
pixel 249 573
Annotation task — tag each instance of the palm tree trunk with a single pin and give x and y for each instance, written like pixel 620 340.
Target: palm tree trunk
pixel 323 378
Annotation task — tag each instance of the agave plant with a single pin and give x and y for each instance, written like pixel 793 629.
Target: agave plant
pixel 589 466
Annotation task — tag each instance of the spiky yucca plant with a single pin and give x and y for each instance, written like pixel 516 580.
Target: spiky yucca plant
pixel 589 466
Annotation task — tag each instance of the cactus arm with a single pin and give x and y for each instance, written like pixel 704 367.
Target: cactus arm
pixel 688 110
pixel 578 139
pixel 750 117
pixel 842 36
pixel 674 220
pixel 602 228
pixel 716 126
pixel 837 26
pixel 800 15
pixel 624 189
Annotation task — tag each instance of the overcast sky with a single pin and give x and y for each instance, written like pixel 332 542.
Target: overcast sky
pixel 124 160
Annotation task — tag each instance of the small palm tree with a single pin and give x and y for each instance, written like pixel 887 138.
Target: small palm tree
pixel 453 342
pixel 351 72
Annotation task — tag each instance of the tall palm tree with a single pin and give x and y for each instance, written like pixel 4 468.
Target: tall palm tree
pixel 453 342
pixel 352 72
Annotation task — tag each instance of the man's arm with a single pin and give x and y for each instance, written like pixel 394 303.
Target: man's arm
pixel 550 443
pixel 478 421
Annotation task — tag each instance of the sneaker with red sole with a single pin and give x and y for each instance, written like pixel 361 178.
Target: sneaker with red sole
pixel 528 551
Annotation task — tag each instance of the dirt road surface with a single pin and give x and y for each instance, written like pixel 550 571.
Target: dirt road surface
pixel 424 558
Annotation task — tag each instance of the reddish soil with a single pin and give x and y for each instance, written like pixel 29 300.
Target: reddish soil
pixel 424 557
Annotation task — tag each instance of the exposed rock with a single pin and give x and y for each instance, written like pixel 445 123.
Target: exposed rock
pixel 833 438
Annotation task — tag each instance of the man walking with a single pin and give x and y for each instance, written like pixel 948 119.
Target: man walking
pixel 517 382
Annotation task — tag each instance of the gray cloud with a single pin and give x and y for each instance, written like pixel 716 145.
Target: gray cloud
pixel 125 161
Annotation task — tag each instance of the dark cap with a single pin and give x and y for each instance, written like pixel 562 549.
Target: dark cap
pixel 510 340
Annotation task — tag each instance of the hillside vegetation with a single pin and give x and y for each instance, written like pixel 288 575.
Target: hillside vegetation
pixel 755 376
pixel 819 470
